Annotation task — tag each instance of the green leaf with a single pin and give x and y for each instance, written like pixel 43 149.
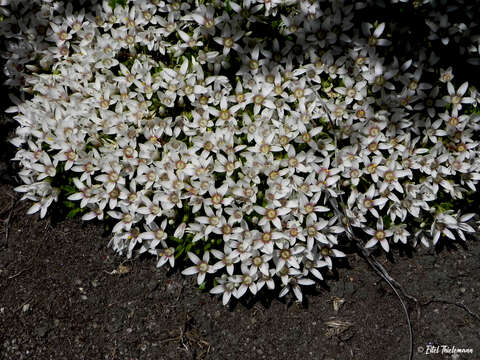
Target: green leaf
pixel 70 204
pixel 114 3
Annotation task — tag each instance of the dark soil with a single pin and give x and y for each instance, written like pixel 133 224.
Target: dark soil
pixel 65 295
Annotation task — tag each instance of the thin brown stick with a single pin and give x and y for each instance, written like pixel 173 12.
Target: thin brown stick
pixel 6 222
pixel 381 271
pixel 19 273
pixel 458 304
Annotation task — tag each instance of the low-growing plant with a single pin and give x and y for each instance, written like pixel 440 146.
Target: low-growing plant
pixel 253 138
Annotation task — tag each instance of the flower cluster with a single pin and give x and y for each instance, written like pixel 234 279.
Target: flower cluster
pixel 234 125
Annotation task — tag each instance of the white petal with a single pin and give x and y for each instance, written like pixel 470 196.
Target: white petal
pixel 200 278
pixel 379 30
pixel 217 289
pixel 385 245
pixel 466 217
pixel 190 270
pixel 298 293
pixel 226 297
pixel 284 291
pixel 194 258
pixel 449 234
pixel 259 210
pixel 451 89
pixel 371 243
pixel 180 230
pixel 306 281
pixel 34 208
pixel 463 88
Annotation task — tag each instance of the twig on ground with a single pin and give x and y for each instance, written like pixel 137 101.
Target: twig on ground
pixel 25 303
pixel 6 221
pixel 381 271
pixel 19 273
pixel 458 304
pixel 181 340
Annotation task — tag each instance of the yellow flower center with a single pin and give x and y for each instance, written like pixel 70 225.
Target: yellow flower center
pixel 389 176
pixel 224 114
pixel 217 199
pixel 180 165
pixel 298 93
pixel 203 267
pixel 380 235
pixel 372 168
pixel 228 42
pixel 265 148
pixel 456 99
pixel 373 146
pixel 266 237
pixel 271 214
pixel 453 121
pixel 309 208
pixel 374 131
pixel 230 166
pixel 258 99
pixel 226 229
pixel 257 261
pixel 253 64
pixel 361 113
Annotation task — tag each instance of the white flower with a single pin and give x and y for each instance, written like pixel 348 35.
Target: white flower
pixel 374 38
pixel 446 75
pixel 313 232
pixel 229 39
pixel 441 225
pixel 111 176
pixel 217 197
pixel 294 283
pixel 226 259
pixel 327 252
pixel 87 193
pixel 456 98
pixel 400 233
pixel 391 175
pixel 60 33
pixel 287 256
pixel 166 255
pixel 43 203
pixel 379 235
pixel 201 267
pixel 271 215
pixel 311 267
pixel 227 286
pixel 214 222
pixel 247 281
